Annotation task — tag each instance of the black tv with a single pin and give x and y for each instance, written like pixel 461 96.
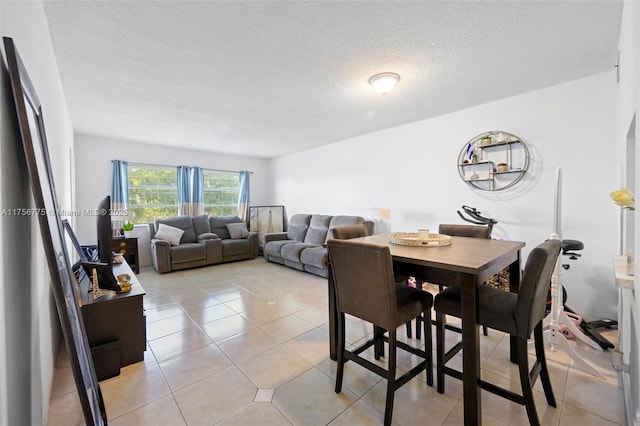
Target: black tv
pixel 105 254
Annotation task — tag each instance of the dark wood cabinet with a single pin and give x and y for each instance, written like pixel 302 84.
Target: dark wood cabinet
pixel 117 321
pixel 128 248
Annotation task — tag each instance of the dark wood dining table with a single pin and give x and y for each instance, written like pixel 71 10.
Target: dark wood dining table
pixel 466 263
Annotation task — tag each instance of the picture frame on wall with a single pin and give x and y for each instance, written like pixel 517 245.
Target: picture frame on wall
pixel 65 291
pixel 265 220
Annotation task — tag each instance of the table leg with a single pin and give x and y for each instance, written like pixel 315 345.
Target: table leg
pixel 333 315
pixel 470 352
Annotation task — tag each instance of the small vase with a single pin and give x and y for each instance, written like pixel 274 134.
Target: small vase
pixel 128 234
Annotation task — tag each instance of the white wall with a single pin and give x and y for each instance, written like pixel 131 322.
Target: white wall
pixel 412 170
pixel 93 176
pixel 628 106
pixel 29 329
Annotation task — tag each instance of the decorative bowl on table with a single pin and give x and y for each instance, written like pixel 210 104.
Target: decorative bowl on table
pixel 413 239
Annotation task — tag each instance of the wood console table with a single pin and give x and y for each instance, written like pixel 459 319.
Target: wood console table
pixel 117 319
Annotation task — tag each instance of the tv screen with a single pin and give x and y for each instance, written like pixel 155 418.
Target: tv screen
pixel 105 254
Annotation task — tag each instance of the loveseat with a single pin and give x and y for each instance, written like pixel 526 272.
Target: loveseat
pixel 184 242
pixel 303 246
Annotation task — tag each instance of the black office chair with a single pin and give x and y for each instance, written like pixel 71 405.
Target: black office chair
pixel 365 288
pixel 518 314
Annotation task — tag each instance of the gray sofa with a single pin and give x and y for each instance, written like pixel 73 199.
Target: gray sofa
pixel 205 241
pixel 303 246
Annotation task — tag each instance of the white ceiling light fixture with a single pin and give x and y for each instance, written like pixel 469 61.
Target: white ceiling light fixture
pixel 384 82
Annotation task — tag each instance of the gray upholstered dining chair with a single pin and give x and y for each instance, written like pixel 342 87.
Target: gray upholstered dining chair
pixel 455 230
pixel 349 231
pixel 367 269
pixel 355 231
pixel 518 314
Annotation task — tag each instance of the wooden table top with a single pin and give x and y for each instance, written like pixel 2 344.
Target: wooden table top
pixel 465 254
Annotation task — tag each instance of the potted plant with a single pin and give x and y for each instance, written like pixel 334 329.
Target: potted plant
pixel 486 140
pixel 127 227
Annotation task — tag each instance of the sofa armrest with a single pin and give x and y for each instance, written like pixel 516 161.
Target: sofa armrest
pixel 161 255
pixel 213 248
pixel 207 236
pixel 253 244
pixel 274 236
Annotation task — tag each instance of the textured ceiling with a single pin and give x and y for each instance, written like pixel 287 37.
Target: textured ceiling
pixel 269 78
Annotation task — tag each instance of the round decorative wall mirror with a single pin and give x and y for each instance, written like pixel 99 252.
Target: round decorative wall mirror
pixel 493 161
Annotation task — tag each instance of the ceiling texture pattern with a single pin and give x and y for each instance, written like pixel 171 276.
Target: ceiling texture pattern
pixel 269 78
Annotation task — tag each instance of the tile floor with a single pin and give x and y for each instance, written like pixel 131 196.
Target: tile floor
pixel 246 343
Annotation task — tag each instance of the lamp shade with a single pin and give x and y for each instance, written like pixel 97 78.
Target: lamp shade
pixel 384 82
pixel 382 213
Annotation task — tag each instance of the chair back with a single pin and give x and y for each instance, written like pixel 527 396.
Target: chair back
pixel 349 231
pixel 363 277
pixel 532 294
pixel 474 231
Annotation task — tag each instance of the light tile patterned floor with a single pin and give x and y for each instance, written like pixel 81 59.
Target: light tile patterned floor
pixel 246 343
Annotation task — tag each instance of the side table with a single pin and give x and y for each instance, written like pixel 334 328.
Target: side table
pixel 128 248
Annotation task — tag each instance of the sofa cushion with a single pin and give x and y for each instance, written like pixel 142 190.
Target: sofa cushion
pixel 297 232
pixel 234 247
pixel 292 251
pixel 300 219
pixel 183 222
pixel 169 233
pixel 237 230
pixel 219 225
pixel 274 248
pixel 318 227
pixel 201 224
pixel 315 256
pixel 316 236
pixel 188 252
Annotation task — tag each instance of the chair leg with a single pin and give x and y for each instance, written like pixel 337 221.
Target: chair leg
pixel 440 351
pixel 484 330
pixel 378 346
pixel 527 386
pixel 428 338
pixel 544 372
pixel 340 350
pixel 408 325
pixel 418 326
pixel 391 378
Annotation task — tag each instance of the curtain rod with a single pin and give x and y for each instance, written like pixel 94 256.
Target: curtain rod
pixel 169 165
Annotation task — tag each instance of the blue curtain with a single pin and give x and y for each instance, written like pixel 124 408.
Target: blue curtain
pixel 190 191
pixel 243 196
pixel 119 189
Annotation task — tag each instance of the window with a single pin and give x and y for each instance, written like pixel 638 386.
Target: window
pixel 221 192
pixel 153 192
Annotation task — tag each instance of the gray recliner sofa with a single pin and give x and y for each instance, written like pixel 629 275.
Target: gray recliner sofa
pixel 303 246
pixel 205 241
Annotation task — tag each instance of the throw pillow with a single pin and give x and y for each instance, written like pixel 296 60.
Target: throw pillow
pixel 169 233
pixel 296 232
pixel 237 230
